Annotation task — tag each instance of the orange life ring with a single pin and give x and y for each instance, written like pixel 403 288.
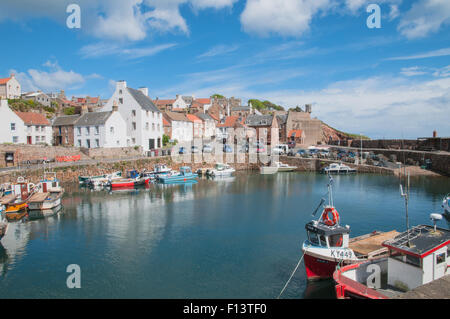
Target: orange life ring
pixel 326 216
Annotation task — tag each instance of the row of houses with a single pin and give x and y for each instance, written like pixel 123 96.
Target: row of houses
pixel 131 118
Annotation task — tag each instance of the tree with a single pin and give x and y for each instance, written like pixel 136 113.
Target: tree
pixel 219 96
pixel 166 140
pixel 69 111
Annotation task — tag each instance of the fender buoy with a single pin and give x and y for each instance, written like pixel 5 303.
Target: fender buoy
pixel 326 216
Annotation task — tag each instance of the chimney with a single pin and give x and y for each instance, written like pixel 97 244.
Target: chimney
pixel 434 134
pixel 84 109
pixel 144 90
pixel 308 108
pixel 121 85
pixel 115 107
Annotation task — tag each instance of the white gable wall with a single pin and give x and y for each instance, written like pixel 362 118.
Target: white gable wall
pixel 11 133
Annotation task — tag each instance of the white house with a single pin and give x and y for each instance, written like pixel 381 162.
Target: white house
pixel 182 129
pixel 182 102
pixel 143 118
pixel 209 124
pixel 38 129
pixel 39 97
pixel 100 129
pixel 12 127
pixel 10 88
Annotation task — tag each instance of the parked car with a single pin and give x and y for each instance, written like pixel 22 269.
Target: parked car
pixel 195 149
pixel 301 152
pixel 280 149
pixel 182 150
pixel 227 149
pixel 291 144
pixel 207 148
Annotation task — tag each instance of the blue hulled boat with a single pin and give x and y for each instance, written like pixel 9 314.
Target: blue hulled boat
pixel 185 175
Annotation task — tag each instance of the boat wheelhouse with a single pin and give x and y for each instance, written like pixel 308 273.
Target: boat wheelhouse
pixel 48 194
pixel 417 257
pixel 329 244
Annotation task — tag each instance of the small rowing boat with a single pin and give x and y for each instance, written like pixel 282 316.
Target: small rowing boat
pixel 129 182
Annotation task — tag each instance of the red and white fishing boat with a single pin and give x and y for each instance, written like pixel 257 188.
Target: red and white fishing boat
pixel 329 243
pixel 129 182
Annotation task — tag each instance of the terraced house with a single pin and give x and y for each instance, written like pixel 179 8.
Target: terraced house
pixel 144 123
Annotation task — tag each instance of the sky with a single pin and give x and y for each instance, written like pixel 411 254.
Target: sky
pixel 387 82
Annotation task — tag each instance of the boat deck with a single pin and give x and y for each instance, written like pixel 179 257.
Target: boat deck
pixel 7 199
pixel 438 289
pixel 370 245
pixel 38 197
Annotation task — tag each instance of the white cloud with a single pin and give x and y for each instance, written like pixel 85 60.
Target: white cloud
pixel 103 49
pixel 443 72
pixel 413 71
pixel 128 20
pixel 425 17
pixel 55 78
pixel 219 50
pixel 425 55
pixel 284 17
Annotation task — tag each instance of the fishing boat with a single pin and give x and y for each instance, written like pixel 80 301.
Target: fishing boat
pixel 99 178
pixel 276 167
pixel 5 189
pixel 159 169
pixel 221 169
pixel 184 175
pixel 338 168
pixel 329 243
pixel 16 202
pixel 417 256
pixel 446 204
pixel 47 195
pixel 43 213
pixel 129 182
pixel 285 167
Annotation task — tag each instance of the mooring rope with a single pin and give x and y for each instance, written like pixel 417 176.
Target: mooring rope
pixel 287 283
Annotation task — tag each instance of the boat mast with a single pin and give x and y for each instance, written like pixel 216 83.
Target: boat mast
pixel 406 196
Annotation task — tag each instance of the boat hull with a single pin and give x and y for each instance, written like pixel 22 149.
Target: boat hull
pixel 318 268
pixel 42 213
pixel 267 170
pixel 45 205
pixel 129 184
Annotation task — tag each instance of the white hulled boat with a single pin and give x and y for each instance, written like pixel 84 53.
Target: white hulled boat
pixel 48 194
pixel 221 169
pixel 338 168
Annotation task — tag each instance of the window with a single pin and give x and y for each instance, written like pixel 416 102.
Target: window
pixel 134 126
pixel 79 143
pixel 133 113
pixel 120 91
pixel 336 240
pixel 412 260
pixel 121 101
pixel 133 140
pixel 97 130
pixel 440 258
pixel 97 143
pixel 88 143
pixel 43 139
pixel 13 126
pixel 111 129
pixel 15 139
pixel 37 139
pixel 88 130
pixel 79 131
pixel 147 126
pixel 147 113
pixel 153 114
pixel 313 238
pixel 159 127
pixel 323 241
pixel 153 126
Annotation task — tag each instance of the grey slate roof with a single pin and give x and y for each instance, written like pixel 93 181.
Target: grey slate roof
pixel 204 116
pixel 259 120
pixel 241 108
pixel 66 120
pixel 282 119
pixel 144 101
pixel 94 118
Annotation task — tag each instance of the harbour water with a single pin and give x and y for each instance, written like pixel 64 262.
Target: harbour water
pixel 229 238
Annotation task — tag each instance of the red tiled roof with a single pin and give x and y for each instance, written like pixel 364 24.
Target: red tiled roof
pixel 193 118
pixel 31 118
pixel 203 101
pixel 163 102
pixel 215 118
pixel 178 109
pixel 165 122
pixel 230 121
pixel 295 133
pixel 4 81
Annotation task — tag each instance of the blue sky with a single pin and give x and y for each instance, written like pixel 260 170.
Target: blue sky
pixel 392 82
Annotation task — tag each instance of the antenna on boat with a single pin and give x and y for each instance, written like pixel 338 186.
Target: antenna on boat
pixel 406 196
pixel 330 191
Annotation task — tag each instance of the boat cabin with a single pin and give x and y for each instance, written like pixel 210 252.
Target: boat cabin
pixel 132 173
pixel 50 183
pixel 161 168
pixel 185 170
pixel 320 234
pixel 424 259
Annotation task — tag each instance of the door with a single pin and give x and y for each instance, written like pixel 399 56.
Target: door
pixel 29 140
pixel 151 144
